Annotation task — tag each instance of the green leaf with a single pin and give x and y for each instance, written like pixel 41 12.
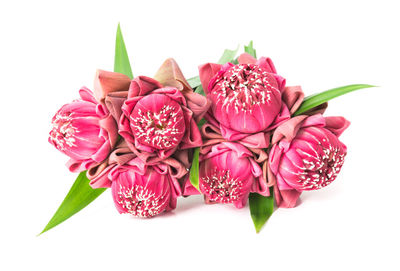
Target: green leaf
pixel 201 123
pixel 194 82
pixel 121 60
pixel 194 170
pixel 320 98
pixel 250 49
pixel 228 56
pixel 78 197
pixel 200 90
pixel 261 208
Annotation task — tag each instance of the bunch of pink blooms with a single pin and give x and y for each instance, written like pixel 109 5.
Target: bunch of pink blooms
pixel 138 137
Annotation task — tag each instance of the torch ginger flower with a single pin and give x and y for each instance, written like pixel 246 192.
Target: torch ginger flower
pixel 306 155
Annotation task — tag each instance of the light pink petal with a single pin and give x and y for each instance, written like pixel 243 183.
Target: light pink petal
pixel 169 74
pixel 258 141
pixel 246 58
pixel 106 82
pixel 288 129
pixel 87 95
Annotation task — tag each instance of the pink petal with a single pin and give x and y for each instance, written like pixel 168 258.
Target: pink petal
pixel 206 72
pixel 106 82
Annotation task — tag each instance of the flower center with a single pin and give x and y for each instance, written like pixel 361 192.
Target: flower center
pixel 160 129
pixel 140 202
pixel 62 133
pixel 221 187
pixel 244 86
pixel 322 171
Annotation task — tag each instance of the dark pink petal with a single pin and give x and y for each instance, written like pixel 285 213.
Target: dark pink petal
pixel 206 72
pixel 337 125
pixel 286 198
pixel 114 102
pixel 293 97
pixel 192 137
pixel 267 64
pixel 142 85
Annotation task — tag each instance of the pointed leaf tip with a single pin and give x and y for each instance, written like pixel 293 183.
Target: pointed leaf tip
pixel 250 49
pixel 78 197
pixel 315 100
pixel 121 59
pixel 194 170
pixel 261 209
pixel 228 56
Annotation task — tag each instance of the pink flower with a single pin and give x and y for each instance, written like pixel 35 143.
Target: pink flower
pixel 228 173
pixel 306 155
pixel 159 119
pixel 248 98
pixel 85 131
pixel 143 191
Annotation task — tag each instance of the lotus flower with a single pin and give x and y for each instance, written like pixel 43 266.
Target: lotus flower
pixel 85 131
pixel 248 98
pixel 158 119
pixel 306 155
pixel 228 173
pixel 143 191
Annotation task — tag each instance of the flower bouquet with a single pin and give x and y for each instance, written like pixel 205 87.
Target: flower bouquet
pixel 235 134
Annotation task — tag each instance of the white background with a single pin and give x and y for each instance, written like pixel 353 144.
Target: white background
pixel 49 50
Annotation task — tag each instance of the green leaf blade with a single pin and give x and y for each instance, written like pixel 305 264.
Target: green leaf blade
pixel 250 49
pixel 78 197
pixel 320 98
pixel 194 170
pixel 261 209
pixel 228 56
pixel 121 59
pixel 194 82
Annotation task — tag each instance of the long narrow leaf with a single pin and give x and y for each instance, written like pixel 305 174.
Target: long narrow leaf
pixel 121 60
pixel 78 197
pixel 194 170
pixel 320 98
pixel 261 209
